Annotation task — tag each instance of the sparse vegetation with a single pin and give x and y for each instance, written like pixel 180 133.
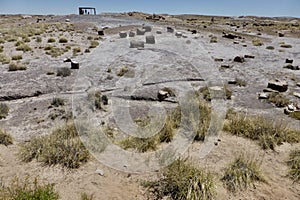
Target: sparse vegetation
pixel 257 42
pixel 1 49
pixel 17 57
pixel 85 196
pixel 4 109
pixel 76 50
pixel 23 47
pixel 286 46
pixel 207 96
pixel 16 67
pixel 294 165
pixel 241 82
pixel 295 115
pixel 28 190
pixel 54 51
pixel 63 71
pixel 213 39
pixel 267 132
pixel 182 180
pixel 63 146
pixel 278 99
pixel 270 47
pixel 38 39
pixel 241 173
pixel 5 138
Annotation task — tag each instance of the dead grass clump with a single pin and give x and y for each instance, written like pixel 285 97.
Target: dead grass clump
pixel 123 71
pixel 286 46
pixel 54 51
pixel 76 50
pixel 63 146
pixel 257 42
pixel 206 93
pixel 182 180
pixel 38 39
pixel 241 173
pixel 4 109
pixel 294 165
pixel 5 138
pixel 265 131
pixel 28 189
pixel 63 71
pixel 295 115
pixel 270 47
pixel 23 47
pixel 63 40
pixel 278 99
pixel 16 67
pixel 51 40
pixel 94 44
pixel 1 49
pixel 17 57
pixel 204 120
pixel 56 102
pixel 213 39
pixel 85 196
pixel 4 59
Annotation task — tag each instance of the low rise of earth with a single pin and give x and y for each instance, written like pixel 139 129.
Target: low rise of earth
pixel 233 81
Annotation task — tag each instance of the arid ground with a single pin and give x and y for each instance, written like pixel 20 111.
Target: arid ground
pixel 195 55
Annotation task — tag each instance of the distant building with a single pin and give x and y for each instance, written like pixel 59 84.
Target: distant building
pixel 87 11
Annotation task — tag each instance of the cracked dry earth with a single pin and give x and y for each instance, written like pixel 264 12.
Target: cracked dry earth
pixel 181 64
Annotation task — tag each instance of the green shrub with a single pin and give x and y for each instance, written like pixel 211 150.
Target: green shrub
pixel 4 59
pixel 182 180
pixel 16 67
pixel 267 132
pixel 17 57
pixel 63 71
pixel 94 44
pixel 63 40
pixel 294 165
pixel 5 138
pixel 241 173
pixel 278 99
pixel 28 190
pixel 4 109
pixel 51 40
pixel 56 102
pixel 63 146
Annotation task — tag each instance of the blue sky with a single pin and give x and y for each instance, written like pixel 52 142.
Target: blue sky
pixel 205 7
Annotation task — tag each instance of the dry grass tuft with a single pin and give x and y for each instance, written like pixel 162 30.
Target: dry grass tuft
pixel 4 109
pixel 5 138
pixel 294 164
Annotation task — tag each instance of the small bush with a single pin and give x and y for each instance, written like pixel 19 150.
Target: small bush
pixel 1 49
pixel 56 102
pixel 5 138
pixel 270 48
pixel 64 72
pixel 241 82
pixel 4 59
pixel 286 46
pixel 17 57
pixel 257 42
pixel 19 43
pixel 94 44
pixel 16 67
pixel 85 196
pixel 28 190
pixel 51 40
pixel 63 146
pixel 24 48
pixel 278 99
pixel 87 51
pixel 123 71
pixel 4 109
pixel 26 39
pixel 294 165
pixel 90 38
pixel 63 40
pixel 182 180
pixel 76 50
pixel 295 115
pixel 241 173
pixel 48 47
pixel 267 132
pixel 38 39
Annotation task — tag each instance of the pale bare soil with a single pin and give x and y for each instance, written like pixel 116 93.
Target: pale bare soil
pixel 29 93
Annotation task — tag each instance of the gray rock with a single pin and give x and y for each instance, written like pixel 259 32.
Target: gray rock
pixel 291 107
pixel 239 59
pixel 123 34
pixel 158 32
pixel 289 61
pixel 101 32
pixel 140 31
pixel 278 85
pixel 137 44
pixel 184 36
pixel 297 94
pixel 249 56
pixel 298 84
pixel 150 39
pixel 291 67
pixel 100 172
pixel 263 95
pixel 131 34
pixel 178 34
pixel 162 94
pixel 147 28
pixel 281 34
pixel 170 30
pixel 74 65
